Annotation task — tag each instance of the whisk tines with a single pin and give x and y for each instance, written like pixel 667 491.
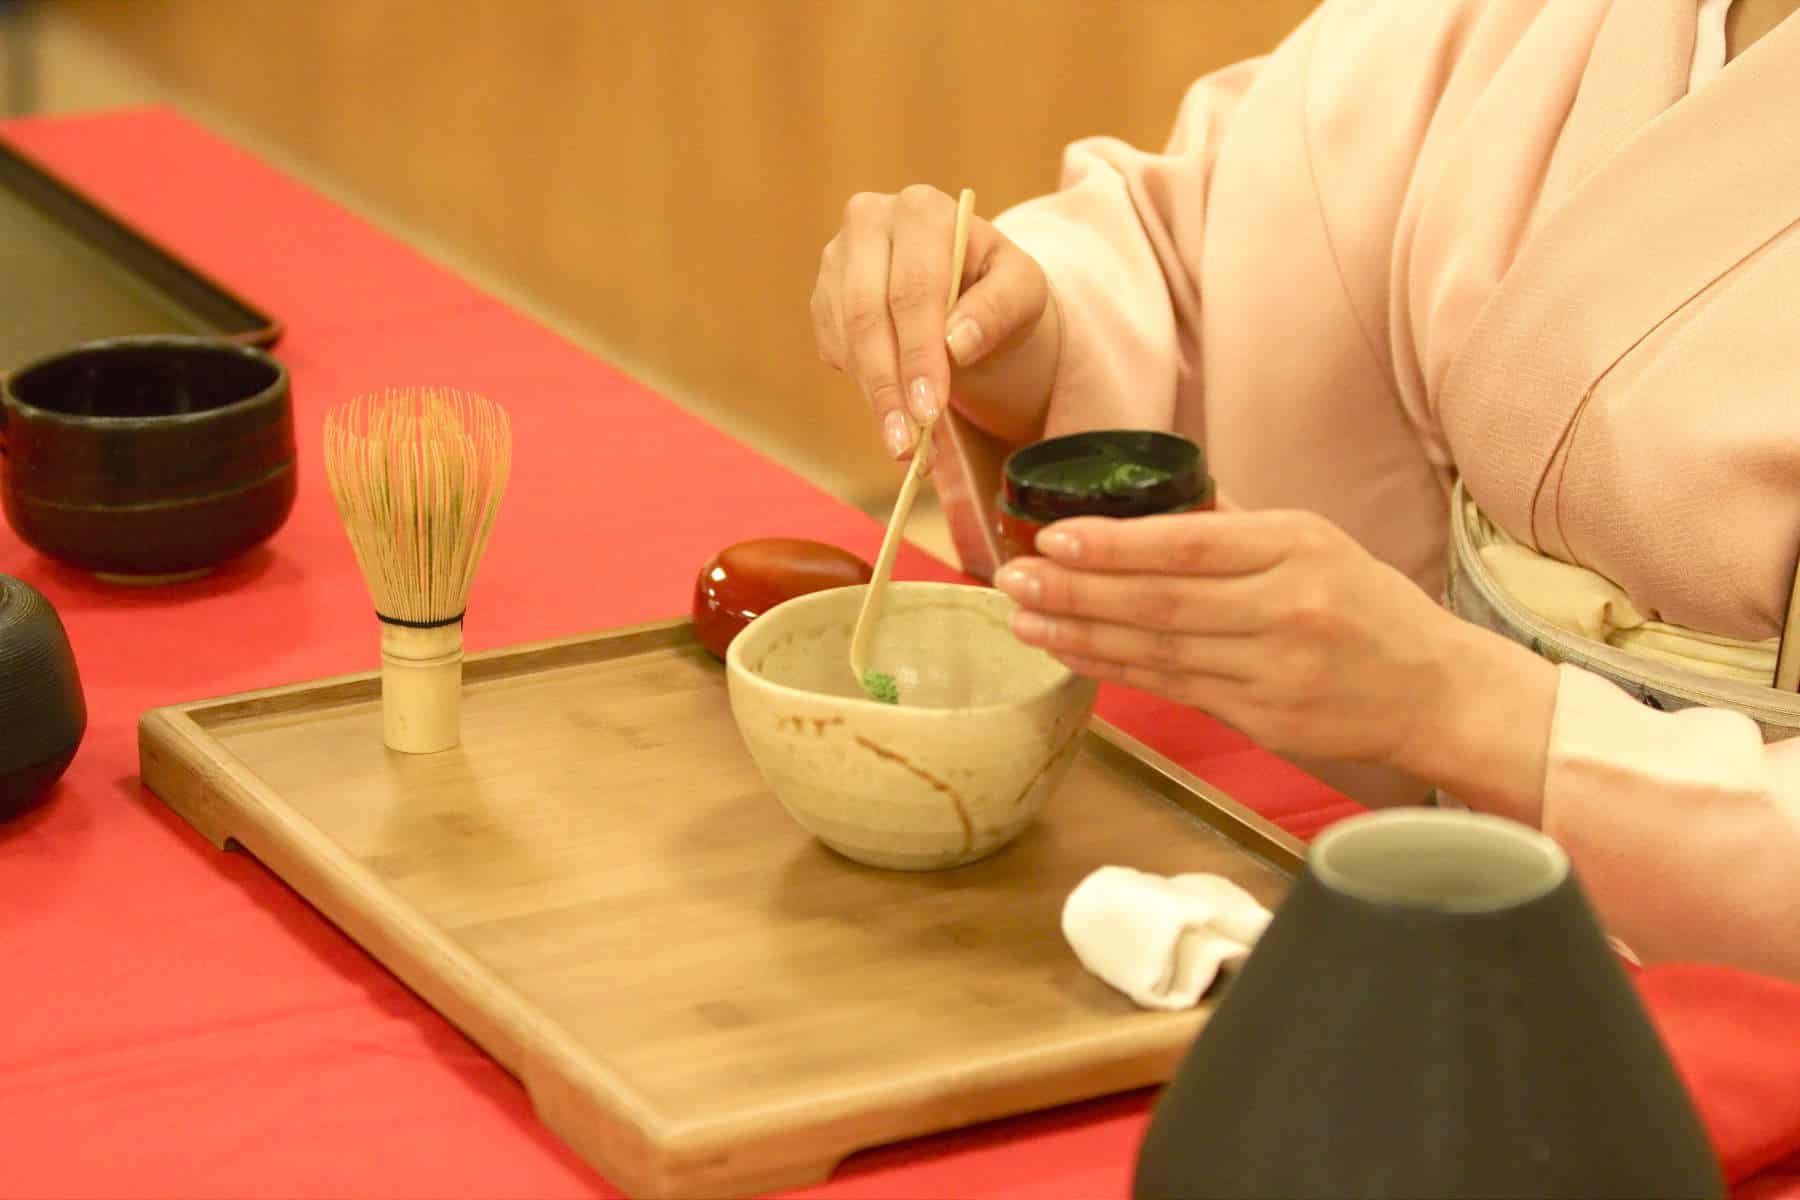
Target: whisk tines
pixel 418 475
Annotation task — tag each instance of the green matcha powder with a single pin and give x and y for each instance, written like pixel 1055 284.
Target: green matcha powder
pixel 881 686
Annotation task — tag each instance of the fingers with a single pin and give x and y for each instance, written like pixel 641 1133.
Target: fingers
pixel 827 319
pixel 871 355
pixel 1160 683
pixel 1195 543
pixel 879 310
pixel 1163 653
pixel 918 293
pixel 1004 295
pixel 1233 604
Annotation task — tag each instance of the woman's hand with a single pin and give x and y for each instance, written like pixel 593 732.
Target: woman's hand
pixel 878 312
pixel 1281 625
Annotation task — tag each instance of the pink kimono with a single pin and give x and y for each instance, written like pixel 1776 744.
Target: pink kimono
pixel 1497 239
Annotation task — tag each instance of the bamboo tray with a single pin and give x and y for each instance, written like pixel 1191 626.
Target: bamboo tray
pixel 700 999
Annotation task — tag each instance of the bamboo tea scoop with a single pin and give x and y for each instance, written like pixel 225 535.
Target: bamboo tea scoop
pixel 878 685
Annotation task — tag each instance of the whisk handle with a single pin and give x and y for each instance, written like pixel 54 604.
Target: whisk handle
pixel 421 687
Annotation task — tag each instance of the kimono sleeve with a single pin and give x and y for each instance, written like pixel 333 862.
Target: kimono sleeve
pixel 1120 243
pixel 1328 128
pixel 1684 827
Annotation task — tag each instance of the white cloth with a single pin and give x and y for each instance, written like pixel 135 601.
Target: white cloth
pixel 1161 940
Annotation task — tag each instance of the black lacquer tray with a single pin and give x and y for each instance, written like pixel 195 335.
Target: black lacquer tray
pixel 73 272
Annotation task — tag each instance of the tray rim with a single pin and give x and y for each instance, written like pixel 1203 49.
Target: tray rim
pixel 649 1152
pixel 58 198
pixel 1235 820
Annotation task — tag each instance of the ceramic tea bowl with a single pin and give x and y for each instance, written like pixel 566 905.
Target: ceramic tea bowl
pixel 984 732
pixel 148 459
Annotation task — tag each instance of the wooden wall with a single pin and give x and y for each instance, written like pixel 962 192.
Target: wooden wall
pixel 663 173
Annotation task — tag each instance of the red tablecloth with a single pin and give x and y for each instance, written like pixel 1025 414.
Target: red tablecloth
pixel 174 1021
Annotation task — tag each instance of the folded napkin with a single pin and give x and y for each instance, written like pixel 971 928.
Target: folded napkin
pixel 1160 940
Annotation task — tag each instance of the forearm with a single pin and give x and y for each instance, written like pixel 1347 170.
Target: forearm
pixel 1684 827
pixel 1110 329
pixel 1483 736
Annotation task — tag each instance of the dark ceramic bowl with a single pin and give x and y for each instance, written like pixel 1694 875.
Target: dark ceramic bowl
pixel 149 459
pixel 1103 473
pixel 42 712
pixel 745 580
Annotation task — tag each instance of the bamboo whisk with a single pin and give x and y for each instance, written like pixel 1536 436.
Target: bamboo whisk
pixel 418 474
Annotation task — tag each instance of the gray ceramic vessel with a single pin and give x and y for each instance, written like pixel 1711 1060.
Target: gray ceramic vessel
pixel 1433 1012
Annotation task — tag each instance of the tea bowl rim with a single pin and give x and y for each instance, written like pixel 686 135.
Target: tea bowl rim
pixel 279 390
pixel 735 654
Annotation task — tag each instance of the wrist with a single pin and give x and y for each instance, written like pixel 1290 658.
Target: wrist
pixel 1483 736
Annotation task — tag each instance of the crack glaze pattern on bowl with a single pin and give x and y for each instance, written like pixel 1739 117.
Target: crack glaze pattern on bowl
pixel 985 730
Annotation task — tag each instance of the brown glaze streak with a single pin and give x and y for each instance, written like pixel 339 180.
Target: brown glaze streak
pixel 1055 757
pixel 956 800
pixel 798 724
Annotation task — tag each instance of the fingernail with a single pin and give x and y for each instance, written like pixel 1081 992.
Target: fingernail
pixel 964 339
pixel 1018 583
pixel 924 400
pixel 1059 543
pixel 1031 627
pixel 896 431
